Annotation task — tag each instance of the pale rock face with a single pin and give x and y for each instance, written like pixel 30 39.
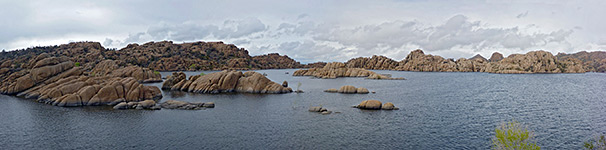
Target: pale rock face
pixel 374 63
pixel 370 104
pixel 55 81
pixel 534 62
pixel 226 81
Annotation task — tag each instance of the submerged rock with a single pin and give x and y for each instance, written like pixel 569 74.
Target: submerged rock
pixel 173 104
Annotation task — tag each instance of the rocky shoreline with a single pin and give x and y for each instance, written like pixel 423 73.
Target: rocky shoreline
pixel 86 73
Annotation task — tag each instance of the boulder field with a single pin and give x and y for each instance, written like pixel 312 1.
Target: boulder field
pixel 61 82
pixel 224 81
pixel 338 69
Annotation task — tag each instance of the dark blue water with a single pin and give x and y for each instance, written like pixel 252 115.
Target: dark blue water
pixel 438 111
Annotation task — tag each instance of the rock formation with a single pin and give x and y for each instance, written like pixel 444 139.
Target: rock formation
pixel 173 104
pixel 167 56
pixel 348 89
pixel 224 81
pixel 61 82
pixel 534 62
pixel 321 110
pixel 337 69
pixel 373 63
pixel 146 104
pixel 496 56
pixel 376 105
pixel 592 61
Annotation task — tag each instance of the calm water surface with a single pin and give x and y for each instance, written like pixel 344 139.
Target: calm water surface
pixel 437 111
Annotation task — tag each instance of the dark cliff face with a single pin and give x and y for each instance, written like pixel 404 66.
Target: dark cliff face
pixel 158 56
pixel 167 56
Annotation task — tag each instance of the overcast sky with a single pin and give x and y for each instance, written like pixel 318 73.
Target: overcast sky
pixel 321 30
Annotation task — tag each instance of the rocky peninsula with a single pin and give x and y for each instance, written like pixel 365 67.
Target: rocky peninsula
pixel 75 74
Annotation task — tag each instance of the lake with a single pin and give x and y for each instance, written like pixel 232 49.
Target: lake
pixel 437 111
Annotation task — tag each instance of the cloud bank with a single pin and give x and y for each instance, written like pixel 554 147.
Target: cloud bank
pixel 314 31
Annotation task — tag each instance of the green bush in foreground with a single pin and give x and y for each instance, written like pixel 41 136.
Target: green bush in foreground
pixel 598 143
pixel 513 136
pixel 77 64
pixel 202 74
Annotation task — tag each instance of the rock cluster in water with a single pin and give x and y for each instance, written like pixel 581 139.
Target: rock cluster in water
pixel 62 82
pixel 173 104
pixel 321 110
pixel 337 69
pixel 376 105
pixel 224 81
pixel 348 89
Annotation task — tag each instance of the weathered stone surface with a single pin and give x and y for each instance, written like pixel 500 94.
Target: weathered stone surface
pixel 347 89
pixel 333 90
pixel 362 90
pixel 373 63
pixel 229 81
pixel 334 70
pixel 315 109
pixel 370 104
pixel 534 62
pixel 173 104
pixel 496 56
pixel 388 106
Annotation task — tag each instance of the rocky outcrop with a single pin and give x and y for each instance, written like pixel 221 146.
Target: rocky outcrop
pixel 60 81
pixel 173 79
pixel 348 89
pixel 173 104
pixel 113 69
pixel 479 57
pixel 375 105
pixel 146 104
pixel 320 110
pixel 418 61
pixel 226 81
pixel 496 56
pixel 337 69
pixel 592 61
pixel 534 62
pixel 168 56
pixel 373 63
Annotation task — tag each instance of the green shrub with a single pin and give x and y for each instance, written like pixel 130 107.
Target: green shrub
pixel 192 66
pixel 598 143
pixel 156 72
pixel 202 74
pixel 512 135
pixel 77 64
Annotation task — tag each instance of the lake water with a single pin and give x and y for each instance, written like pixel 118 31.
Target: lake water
pixel 437 111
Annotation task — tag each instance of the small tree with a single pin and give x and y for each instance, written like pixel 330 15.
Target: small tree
pixel 598 143
pixel 77 64
pixel 513 136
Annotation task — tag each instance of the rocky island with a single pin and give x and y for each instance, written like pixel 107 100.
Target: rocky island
pixel 224 81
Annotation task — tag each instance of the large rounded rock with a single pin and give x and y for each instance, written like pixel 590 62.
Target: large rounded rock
pixel 122 105
pixel 362 90
pixel 348 89
pixel 388 106
pixel 370 104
